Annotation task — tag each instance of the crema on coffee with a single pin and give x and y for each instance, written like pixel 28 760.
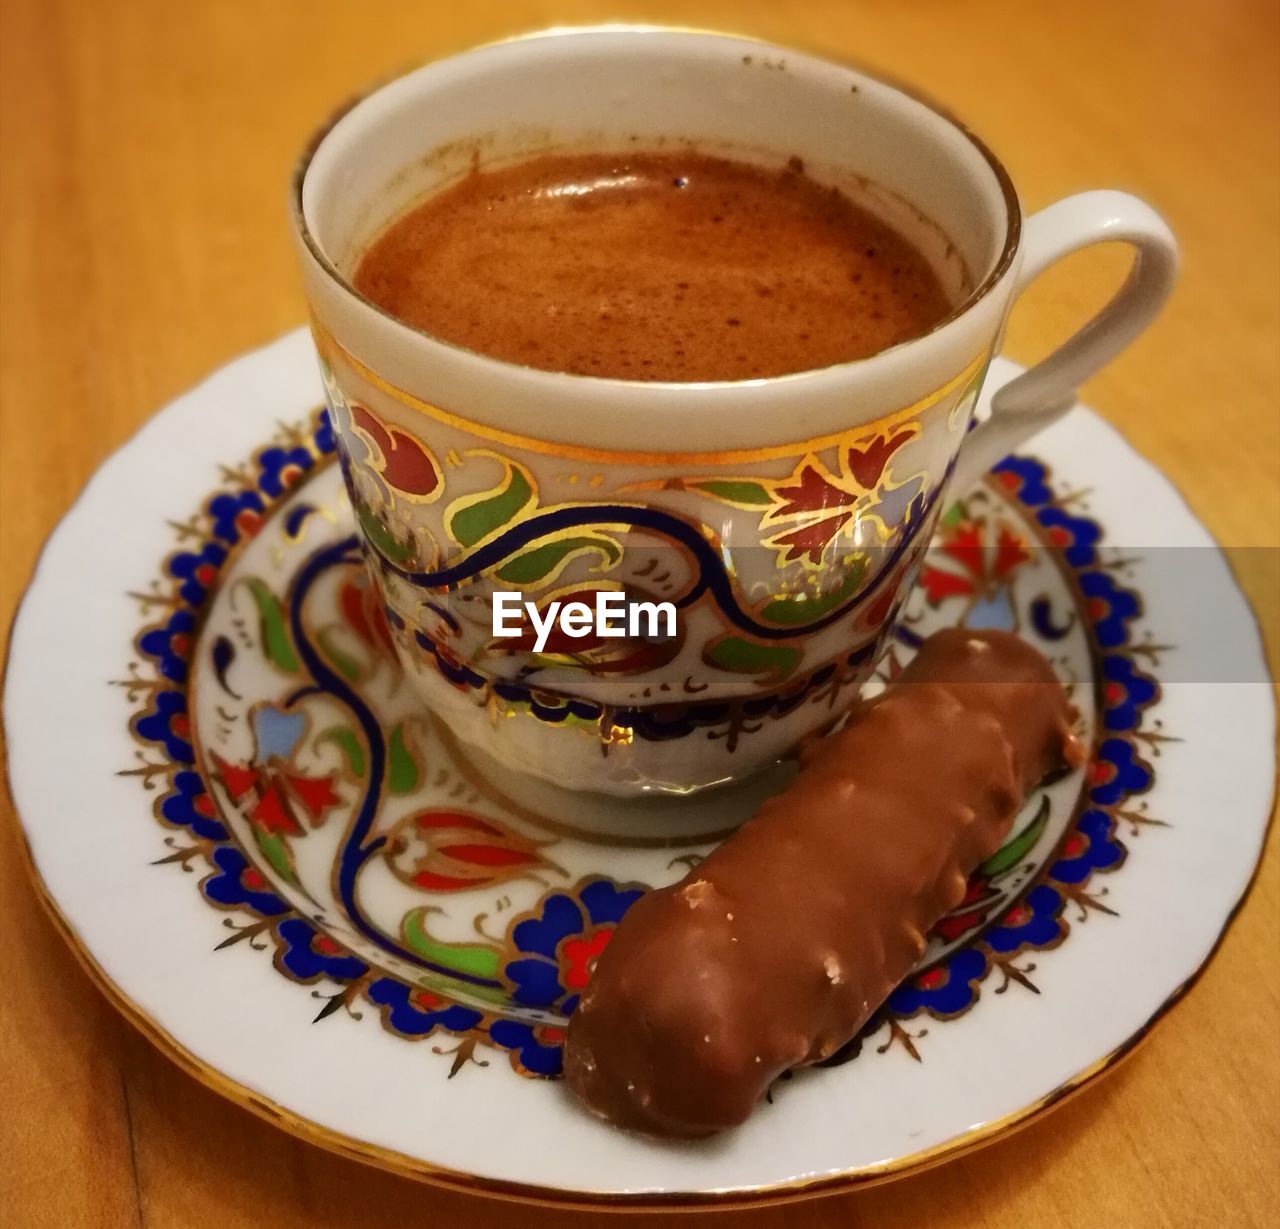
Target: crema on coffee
pixel 657 265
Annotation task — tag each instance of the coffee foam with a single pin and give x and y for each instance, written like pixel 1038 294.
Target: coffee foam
pixel 661 265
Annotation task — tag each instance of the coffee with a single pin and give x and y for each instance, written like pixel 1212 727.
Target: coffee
pixel 652 266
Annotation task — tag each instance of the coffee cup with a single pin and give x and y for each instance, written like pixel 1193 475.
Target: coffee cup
pixel 781 519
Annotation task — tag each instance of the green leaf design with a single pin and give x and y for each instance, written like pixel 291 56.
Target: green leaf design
pixel 475 959
pixel 1014 850
pixel 953 516
pixel 350 745
pixel 473 522
pixel 543 562
pixel 275 632
pixel 277 852
pixel 741 656
pixel 750 494
pixel 402 766
pixel 380 536
pixel 343 663
pixel 799 610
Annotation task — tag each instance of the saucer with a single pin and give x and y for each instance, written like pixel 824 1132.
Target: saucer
pixel 345 921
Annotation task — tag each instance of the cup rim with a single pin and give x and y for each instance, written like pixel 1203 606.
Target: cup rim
pixel 1002 264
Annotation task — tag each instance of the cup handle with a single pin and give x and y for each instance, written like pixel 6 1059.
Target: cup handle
pixel 1035 398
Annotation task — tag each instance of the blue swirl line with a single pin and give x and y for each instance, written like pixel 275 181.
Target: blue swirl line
pixel 355 853
pixel 712 577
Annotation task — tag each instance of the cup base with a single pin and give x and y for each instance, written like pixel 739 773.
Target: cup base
pixel 655 815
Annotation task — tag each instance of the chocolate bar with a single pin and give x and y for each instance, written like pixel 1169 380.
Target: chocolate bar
pixel 778 947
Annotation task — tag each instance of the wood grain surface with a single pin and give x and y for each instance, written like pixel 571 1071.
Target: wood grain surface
pixel 145 148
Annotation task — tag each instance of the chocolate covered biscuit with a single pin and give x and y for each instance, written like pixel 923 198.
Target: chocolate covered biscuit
pixel 778 947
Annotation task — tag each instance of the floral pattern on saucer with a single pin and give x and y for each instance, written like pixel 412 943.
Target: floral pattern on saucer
pixel 342 829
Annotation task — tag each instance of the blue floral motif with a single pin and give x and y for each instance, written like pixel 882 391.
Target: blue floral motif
pixel 536 1057
pixel 276 733
pixel 183 807
pixel 1120 773
pixel 994 613
pixel 536 983
pixel 560 918
pixel 1109 607
pixel 322 435
pixel 197 571
pixel 944 990
pixel 232 511
pixel 228 886
pixel 1033 923
pixel 606 902
pixel 537 978
pixel 166 723
pixel 1030 486
pixel 1074 535
pixel 406 1016
pixel 1125 693
pixel 281 468
pixel 170 645
pixel 1089 848
pixel 299 956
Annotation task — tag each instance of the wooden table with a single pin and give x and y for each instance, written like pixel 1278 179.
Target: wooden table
pixel 146 146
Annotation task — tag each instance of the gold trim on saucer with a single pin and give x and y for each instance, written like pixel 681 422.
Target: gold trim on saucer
pixel 407 1166
pixel 410 1167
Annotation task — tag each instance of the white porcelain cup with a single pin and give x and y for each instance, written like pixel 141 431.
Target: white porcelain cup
pixel 783 517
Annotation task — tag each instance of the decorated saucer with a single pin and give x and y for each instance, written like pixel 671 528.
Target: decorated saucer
pixel 302 887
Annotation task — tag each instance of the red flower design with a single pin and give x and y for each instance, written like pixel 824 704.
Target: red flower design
pixel 867 463
pixel 1019 915
pixel 579 956
pixel 1101 772
pixel 362 608
pixel 810 541
pixel 984 567
pixel 1011 551
pixel 970 912
pixel 931 979
pixel 964 545
pixel 811 492
pixel 278 796
pixel 454 850
pixel 1075 845
pixel 402 461
pixel 939 584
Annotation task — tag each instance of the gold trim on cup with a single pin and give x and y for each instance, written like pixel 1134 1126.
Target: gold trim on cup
pixel 327 344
